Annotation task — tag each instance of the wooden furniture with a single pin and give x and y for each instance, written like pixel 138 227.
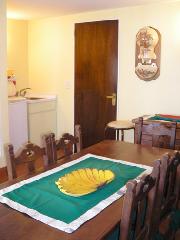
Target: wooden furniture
pixel 27 154
pixel 138 207
pixel 78 135
pixel 169 186
pixel 67 144
pixel 120 125
pixel 177 138
pixel 168 193
pixel 155 134
pixel 17 226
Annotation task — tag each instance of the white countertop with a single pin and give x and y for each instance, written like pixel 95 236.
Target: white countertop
pixel 16 99
pixel 29 98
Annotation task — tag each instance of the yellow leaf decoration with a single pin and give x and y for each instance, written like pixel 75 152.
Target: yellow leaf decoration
pixel 84 181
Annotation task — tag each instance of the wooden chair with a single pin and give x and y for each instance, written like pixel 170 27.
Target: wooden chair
pixel 168 194
pixel 27 154
pixel 155 134
pixel 67 145
pixel 138 207
pixel 169 184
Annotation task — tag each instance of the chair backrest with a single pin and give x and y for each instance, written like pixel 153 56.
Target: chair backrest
pixel 155 134
pixel 168 189
pixel 67 144
pixel 78 135
pixel 138 207
pixel 169 183
pixel 27 154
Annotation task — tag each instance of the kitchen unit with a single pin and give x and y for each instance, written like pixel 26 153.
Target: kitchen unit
pixel 30 118
pixel 41 118
pixel 18 127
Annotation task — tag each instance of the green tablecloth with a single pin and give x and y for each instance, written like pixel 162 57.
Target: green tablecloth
pixel 156 117
pixel 42 200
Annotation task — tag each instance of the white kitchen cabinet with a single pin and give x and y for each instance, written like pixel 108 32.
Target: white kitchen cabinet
pixel 18 129
pixel 41 119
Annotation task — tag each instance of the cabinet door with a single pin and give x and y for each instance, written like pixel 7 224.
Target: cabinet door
pixel 41 120
pixel 18 131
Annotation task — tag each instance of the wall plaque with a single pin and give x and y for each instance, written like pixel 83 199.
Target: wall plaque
pixel 148 51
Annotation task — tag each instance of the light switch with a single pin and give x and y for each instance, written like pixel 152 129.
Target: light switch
pixel 67 84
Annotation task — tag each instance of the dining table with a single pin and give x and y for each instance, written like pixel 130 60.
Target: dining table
pixel 15 225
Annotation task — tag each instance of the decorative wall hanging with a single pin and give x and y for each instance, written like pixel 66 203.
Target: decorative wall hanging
pixel 148 49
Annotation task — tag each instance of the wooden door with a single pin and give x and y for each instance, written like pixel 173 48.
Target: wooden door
pixel 96 70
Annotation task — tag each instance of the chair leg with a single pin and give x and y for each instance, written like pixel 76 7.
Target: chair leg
pixel 117 134
pixel 122 135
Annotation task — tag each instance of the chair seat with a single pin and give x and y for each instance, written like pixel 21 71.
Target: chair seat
pixel 121 124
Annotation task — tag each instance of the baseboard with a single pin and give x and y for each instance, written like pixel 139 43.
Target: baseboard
pixel 3 174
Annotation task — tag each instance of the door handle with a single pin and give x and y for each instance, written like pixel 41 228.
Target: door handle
pixel 113 97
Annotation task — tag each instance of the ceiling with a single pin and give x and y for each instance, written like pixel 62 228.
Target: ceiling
pixel 33 9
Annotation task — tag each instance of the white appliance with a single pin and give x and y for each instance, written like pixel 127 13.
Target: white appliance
pixel 18 128
pixel 42 119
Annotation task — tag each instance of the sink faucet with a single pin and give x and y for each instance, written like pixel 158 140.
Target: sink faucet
pixel 23 92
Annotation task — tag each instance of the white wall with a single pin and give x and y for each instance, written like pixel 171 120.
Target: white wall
pixel 51 65
pixel 17 50
pixel 51 61
pixel 4 135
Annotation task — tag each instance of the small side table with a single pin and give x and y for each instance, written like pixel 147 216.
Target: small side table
pixel 120 125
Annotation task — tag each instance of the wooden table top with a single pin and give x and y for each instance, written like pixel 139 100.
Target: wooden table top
pixel 17 226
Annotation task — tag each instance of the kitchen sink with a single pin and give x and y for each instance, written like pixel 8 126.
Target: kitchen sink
pixel 34 98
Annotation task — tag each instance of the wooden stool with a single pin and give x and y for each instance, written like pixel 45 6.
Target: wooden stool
pixel 120 125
